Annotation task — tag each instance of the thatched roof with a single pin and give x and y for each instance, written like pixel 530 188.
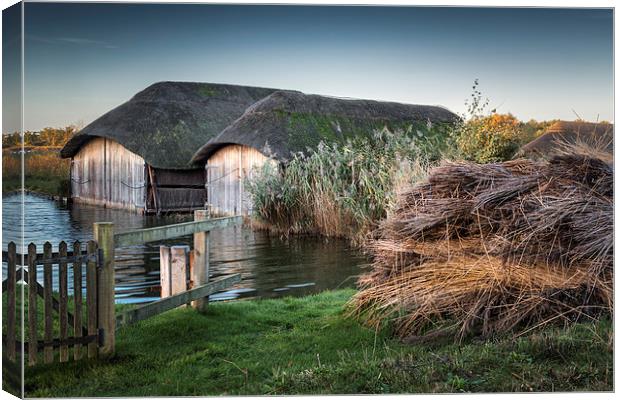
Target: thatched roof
pixel 168 121
pixel 287 122
pixel 599 135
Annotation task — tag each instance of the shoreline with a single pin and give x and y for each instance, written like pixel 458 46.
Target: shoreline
pixel 46 195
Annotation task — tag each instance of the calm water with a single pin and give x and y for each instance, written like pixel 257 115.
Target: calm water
pixel 269 266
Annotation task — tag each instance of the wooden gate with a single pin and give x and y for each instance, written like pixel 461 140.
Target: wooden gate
pixel 86 265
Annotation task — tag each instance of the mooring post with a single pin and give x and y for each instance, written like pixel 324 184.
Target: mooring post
pixel 173 269
pixel 178 270
pixel 164 271
pixel 200 267
pixel 106 313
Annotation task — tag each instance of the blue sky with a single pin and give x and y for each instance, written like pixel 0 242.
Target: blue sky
pixel 82 60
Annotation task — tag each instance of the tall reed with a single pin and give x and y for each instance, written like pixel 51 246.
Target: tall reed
pixel 340 190
pixel 44 171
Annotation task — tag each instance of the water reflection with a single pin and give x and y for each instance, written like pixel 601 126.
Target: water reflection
pixel 269 266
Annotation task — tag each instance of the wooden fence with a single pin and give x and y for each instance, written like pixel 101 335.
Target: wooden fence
pixel 99 333
pixel 89 335
pixel 199 269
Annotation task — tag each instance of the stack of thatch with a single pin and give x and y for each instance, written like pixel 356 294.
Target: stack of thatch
pixel 487 248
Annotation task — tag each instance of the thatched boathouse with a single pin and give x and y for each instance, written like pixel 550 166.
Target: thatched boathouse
pixel 287 122
pixel 597 135
pixel 137 156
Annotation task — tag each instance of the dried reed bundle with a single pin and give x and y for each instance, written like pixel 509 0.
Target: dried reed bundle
pixel 486 248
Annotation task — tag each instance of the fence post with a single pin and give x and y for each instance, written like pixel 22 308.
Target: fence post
pixel 164 271
pixel 178 269
pixel 104 236
pixel 200 268
pixel 173 269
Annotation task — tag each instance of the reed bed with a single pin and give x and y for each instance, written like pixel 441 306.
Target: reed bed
pixel 44 171
pixel 339 190
pixel 487 248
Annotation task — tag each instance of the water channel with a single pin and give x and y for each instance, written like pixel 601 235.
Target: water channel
pixel 270 266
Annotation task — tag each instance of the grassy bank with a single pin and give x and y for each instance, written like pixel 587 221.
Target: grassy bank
pixel 306 345
pixel 45 172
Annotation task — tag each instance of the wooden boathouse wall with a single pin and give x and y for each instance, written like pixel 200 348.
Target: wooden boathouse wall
pixel 227 170
pixel 105 173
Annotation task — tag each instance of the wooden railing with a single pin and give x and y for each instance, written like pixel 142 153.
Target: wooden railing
pixel 102 321
pixel 168 303
pixel 142 236
pixel 199 271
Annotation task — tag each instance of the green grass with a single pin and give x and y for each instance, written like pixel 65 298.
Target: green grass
pixel 305 345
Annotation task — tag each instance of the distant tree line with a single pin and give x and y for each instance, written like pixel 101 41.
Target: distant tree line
pixel 54 137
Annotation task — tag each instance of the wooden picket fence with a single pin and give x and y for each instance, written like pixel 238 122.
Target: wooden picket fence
pixel 101 320
pixel 89 335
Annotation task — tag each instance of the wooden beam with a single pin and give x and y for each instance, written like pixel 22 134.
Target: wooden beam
pixel 142 236
pixel 55 342
pixel 55 258
pixel 158 307
pixel 153 182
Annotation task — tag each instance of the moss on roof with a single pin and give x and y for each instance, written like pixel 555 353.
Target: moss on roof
pixel 168 121
pixel 174 124
pixel 287 122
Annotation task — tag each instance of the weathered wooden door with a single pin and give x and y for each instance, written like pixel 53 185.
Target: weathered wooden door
pixel 227 171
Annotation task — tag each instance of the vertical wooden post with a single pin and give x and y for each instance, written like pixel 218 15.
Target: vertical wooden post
pixel 104 236
pixel 11 279
pixel 62 285
pixel 240 178
pixel 32 304
pixel 200 268
pixel 48 350
pixel 77 301
pixel 164 271
pixel 91 297
pixel 173 269
pixel 178 269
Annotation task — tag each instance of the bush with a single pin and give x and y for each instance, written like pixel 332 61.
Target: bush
pixel 492 138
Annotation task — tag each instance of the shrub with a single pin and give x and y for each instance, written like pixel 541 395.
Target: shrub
pixel 485 136
pixel 492 138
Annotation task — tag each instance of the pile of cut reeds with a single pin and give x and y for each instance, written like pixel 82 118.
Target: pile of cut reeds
pixel 487 248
